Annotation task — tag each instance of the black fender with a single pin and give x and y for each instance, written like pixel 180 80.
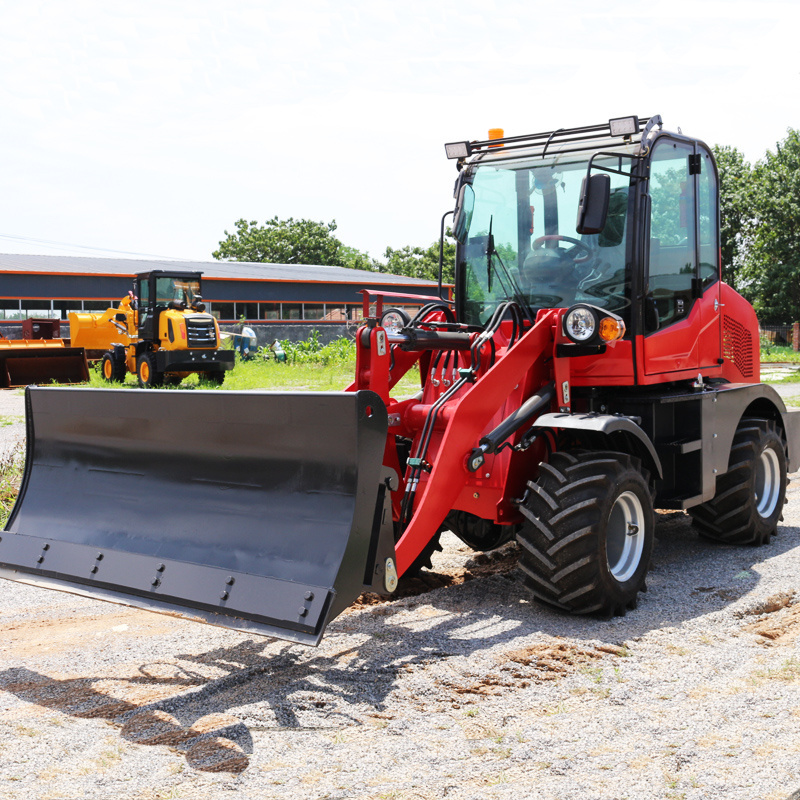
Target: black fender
pixel 633 440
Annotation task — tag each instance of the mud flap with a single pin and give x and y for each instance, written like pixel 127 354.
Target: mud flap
pixel 31 365
pixel 263 512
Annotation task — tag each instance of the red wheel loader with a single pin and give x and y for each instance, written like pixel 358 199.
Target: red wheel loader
pixel 591 368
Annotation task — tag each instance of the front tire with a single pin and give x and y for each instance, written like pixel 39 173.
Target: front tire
pixel 112 369
pixel 147 373
pixel 750 495
pixel 588 533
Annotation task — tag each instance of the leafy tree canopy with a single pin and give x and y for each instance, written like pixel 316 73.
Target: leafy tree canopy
pixel 288 241
pixel 303 241
pixel 735 189
pixel 419 262
pixel 772 264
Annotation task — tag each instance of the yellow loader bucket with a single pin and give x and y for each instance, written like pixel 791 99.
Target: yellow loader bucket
pixel 258 511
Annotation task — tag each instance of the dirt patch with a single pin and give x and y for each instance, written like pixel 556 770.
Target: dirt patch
pixel 782 629
pixel 483 565
pixel 549 661
pixel 544 661
pixel 29 637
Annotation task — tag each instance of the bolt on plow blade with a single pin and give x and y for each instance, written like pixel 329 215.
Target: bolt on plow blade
pixel 259 511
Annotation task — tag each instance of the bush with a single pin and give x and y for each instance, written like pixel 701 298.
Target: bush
pixel 11 464
pixel 312 351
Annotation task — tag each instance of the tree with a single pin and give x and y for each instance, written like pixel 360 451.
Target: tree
pixel 418 262
pixel 355 259
pixel 772 264
pixel 286 241
pixel 736 211
pixel 303 241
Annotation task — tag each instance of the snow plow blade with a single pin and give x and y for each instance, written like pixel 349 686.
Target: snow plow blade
pixel 263 512
pixel 38 361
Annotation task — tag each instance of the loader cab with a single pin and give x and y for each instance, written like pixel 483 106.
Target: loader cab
pixel 522 242
pixel 654 260
pixel 159 290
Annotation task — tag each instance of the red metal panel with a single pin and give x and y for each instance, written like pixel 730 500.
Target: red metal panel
pixel 470 419
pixel 692 344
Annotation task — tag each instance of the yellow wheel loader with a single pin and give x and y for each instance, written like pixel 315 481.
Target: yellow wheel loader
pixel 160 332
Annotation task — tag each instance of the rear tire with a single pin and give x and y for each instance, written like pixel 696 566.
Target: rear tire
pixel 112 369
pixel 588 533
pixel 147 373
pixel 750 495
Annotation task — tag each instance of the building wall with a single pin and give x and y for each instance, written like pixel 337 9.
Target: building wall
pixel 326 304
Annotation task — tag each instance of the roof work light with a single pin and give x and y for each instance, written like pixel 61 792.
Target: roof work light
pixel 624 126
pixel 458 150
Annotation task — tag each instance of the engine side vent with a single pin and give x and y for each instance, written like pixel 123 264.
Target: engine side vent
pixel 737 345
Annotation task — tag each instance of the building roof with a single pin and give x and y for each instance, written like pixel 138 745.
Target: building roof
pixel 225 270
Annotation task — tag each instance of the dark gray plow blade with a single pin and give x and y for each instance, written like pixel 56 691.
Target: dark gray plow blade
pixel 262 512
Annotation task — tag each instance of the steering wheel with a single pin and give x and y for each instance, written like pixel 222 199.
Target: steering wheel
pixel 578 246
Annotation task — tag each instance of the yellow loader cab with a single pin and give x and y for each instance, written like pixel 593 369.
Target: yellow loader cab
pixel 160 331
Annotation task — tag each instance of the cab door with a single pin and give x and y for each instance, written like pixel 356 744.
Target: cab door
pixel 683 260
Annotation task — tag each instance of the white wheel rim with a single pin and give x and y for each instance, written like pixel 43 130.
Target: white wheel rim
pixel 768 483
pixel 625 536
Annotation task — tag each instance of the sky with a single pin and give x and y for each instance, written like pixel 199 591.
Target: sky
pixel 147 128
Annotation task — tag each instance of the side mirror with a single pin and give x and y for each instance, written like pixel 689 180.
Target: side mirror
pixel 463 214
pixel 593 203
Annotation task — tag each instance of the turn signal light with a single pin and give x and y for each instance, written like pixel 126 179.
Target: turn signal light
pixel 611 329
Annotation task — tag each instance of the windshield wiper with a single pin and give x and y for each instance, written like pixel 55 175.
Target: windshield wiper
pixel 512 290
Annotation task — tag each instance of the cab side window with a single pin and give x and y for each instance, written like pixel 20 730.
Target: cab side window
pixel 672 232
pixel 707 220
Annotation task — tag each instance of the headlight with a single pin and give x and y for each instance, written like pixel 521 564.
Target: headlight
pixel 580 324
pixel 586 324
pixel 394 320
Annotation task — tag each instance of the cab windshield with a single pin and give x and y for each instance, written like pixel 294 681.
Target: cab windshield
pixel 522 245
pixel 178 289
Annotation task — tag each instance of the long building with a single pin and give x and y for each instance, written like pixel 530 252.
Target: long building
pixel 283 296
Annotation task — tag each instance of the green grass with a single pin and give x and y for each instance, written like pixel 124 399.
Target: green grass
pixel 272 376
pixel 258 374
pixel 775 354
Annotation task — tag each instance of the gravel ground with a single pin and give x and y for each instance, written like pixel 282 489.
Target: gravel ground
pixel 462 689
